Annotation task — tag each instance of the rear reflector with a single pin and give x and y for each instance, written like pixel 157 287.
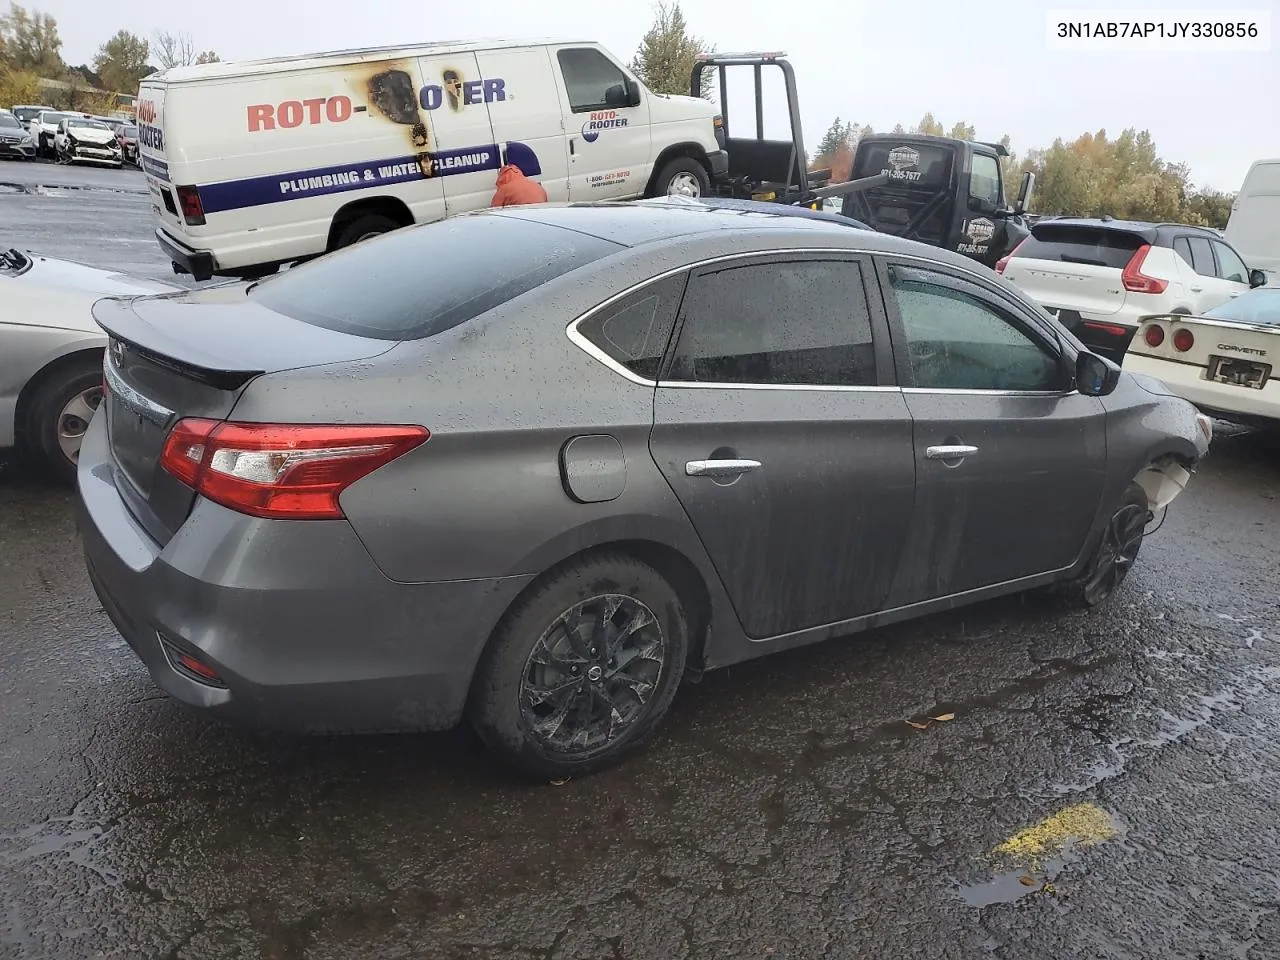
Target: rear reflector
pixel 282 471
pixel 1154 335
pixel 1135 281
pixel 1183 340
pixel 1113 329
pixel 189 664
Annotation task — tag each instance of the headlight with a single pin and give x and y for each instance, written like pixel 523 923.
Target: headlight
pixel 25 141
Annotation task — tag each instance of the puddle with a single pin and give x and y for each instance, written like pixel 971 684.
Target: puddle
pixel 1040 853
pixel 73 836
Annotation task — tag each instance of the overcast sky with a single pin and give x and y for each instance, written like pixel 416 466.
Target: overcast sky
pixel 880 62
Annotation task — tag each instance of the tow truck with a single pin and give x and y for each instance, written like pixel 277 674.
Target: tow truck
pixel 941 191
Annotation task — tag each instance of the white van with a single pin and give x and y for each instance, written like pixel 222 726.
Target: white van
pixel 252 165
pixel 1254 227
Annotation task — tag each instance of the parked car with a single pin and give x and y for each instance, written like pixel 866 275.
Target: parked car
pixel 26 112
pixel 81 140
pixel 1223 361
pixel 43 127
pixel 127 136
pixel 1100 276
pixel 51 354
pixel 533 466
pixel 15 142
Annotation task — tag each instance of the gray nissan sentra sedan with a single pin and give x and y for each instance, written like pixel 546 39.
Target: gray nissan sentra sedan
pixel 532 467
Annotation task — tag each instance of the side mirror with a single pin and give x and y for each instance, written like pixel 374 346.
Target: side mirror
pixel 1095 376
pixel 1257 278
pixel 633 93
pixel 1024 194
pixel 616 95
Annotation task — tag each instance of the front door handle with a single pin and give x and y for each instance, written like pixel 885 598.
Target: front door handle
pixel 719 468
pixel 949 451
pixel 1197 289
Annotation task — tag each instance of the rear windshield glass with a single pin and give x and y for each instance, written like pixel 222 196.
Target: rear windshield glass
pixel 1260 306
pixel 1088 245
pixel 907 164
pixel 417 282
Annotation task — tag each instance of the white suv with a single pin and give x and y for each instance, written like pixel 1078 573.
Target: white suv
pixel 1101 276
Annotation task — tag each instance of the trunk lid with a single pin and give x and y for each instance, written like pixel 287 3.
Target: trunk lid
pixel 1226 348
pixel 192 354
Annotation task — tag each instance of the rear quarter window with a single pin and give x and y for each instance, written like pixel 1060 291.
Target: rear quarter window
pixel 1093 247
pixel 419 281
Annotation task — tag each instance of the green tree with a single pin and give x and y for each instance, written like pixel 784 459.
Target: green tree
pixel 1209 208
pixel 30 42
pixel 122 62
pixel 962 131
pixel 668 52
pixel 928 125
pixel 19 86
pixel 837 134
pixel 208 56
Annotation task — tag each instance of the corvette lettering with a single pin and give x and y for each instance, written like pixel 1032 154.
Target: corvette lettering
pixel 1252 351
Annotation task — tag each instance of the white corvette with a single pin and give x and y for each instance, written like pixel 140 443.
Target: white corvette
pixel 1224 360
pixel 51 353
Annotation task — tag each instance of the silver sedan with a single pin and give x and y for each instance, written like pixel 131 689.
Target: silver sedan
pixel 51 353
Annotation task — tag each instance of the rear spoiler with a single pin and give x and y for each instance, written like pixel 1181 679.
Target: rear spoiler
pixel 1211 321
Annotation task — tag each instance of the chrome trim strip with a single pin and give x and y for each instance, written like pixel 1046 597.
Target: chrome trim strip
pixel 696 385
pixel 585 345
pixel 143 406
pixel 950 391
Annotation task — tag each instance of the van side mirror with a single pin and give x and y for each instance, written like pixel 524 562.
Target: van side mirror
pixel 633 92
pixel 616 95
pixel 1023 202
pixel 1095 376
pixel 1257 278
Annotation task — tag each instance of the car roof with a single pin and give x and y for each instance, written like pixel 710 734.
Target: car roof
pixel 303 61
pixel 1159 234
pixel 638 223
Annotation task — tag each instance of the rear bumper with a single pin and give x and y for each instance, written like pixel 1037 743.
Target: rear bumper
pixel 199 263
pixel 303 630
pixel 1188 381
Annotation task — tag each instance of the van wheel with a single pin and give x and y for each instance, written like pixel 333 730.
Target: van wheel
pixel 362 228
pixel 582 669
pixel 682 177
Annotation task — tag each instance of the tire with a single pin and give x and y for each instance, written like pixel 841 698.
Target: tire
pixel 507 705
pixel 683 176
pixel 362 228
pixel 55 422
pixel 1115 553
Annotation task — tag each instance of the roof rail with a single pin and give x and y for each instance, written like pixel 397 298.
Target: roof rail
pixel 745 57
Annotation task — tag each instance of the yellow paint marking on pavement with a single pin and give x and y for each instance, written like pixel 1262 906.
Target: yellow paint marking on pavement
pixel 1082 825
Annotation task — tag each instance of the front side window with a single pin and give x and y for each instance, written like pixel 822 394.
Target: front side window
pixel 959 341
pixel 984 180
pixel 1230 266
pixel 593 81
pixel 784 323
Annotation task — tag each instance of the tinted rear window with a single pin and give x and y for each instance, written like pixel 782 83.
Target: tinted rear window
pixel 908 164
pixel 1088 245
pixel 417 282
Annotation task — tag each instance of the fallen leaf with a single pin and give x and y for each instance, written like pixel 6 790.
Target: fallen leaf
pixel 1027 881
pixel 918 726
pixel 560 783
pixel 945 717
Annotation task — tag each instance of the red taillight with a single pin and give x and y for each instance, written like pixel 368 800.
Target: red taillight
pixel 1154 335
pixel 1114 329
pixel 1004 261
pixel 1183 340
pixel 284 471
pixel 192 208
pixel 1135 281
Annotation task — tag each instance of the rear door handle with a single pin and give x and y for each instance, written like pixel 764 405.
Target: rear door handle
pixel 952 451
pixel 1197 289
pixel 720 468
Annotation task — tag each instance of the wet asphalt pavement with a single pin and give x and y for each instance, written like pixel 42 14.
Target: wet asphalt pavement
pixel 787 809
